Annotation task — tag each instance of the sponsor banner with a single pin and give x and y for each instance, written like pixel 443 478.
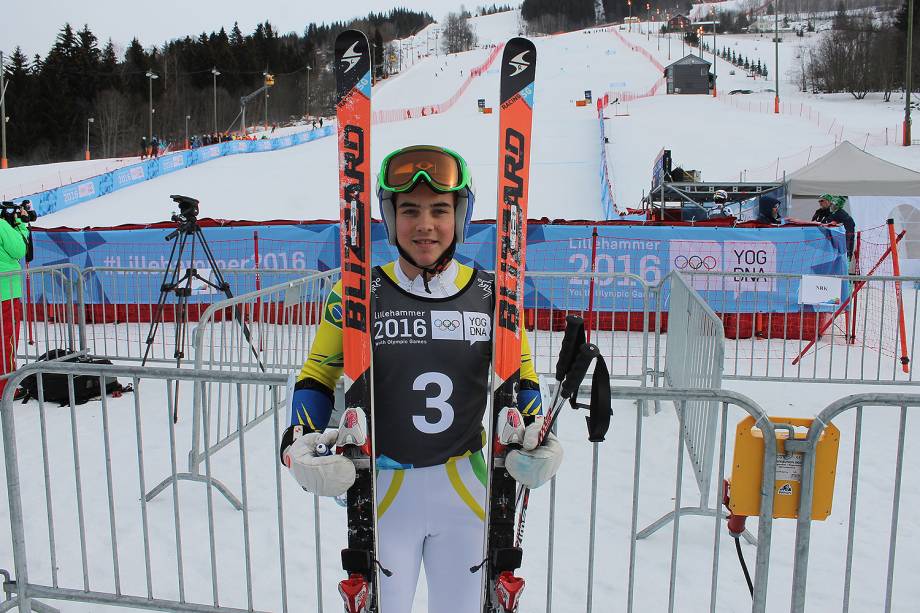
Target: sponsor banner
pixel 88 189
pixel 648 252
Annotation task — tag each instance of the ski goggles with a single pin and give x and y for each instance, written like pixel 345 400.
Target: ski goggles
pixel 442 169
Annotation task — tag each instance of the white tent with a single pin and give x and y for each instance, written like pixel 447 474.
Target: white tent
pixel 877 190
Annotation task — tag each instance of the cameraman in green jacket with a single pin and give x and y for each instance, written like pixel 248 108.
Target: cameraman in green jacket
pixel 14 243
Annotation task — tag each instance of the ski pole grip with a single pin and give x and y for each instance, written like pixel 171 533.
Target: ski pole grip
pixel 571 344
pixel 576 374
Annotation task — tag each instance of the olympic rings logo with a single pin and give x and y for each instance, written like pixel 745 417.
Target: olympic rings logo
pixel 695 262
pixel 447 324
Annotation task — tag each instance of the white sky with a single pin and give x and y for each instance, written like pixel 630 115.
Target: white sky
pixel 34 26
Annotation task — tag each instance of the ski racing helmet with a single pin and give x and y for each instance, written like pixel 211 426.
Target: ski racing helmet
pixel 442 169
pixel 720 195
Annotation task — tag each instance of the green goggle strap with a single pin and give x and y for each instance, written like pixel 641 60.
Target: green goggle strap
pixel 464 176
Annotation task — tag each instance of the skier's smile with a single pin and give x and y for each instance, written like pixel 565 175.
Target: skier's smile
pixel 424 225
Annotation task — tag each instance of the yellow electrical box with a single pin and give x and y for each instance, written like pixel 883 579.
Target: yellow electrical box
pixel 747 470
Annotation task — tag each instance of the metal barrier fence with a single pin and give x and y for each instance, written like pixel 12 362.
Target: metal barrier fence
pixel 91 536
pixel 111 309
pixel 272 330
pixel 46 317
pixel 121 303
pixel 868 549
pixel 863 344
pixel 265 331
pixel 694 360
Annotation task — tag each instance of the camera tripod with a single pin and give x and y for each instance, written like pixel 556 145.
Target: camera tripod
pixel 187 236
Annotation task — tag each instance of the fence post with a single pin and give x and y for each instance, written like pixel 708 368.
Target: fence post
pixel 590 318
pixel 28 302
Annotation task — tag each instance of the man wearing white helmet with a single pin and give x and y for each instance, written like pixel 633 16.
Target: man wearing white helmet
pixel 432 349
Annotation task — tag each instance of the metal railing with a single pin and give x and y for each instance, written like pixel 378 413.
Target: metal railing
pixel 765 325
pixel 91 536
pixel 694 360
pixel 48 316
pixel 768 326
pixel 265 331
pixel 888 477
pixel 121 303
pixel 634 583
pixel 628 336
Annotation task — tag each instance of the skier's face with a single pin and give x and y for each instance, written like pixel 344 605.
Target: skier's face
pixel 425 223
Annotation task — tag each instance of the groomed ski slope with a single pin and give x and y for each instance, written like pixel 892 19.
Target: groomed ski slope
pixel 724 140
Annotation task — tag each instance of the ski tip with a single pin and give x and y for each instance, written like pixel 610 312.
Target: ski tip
pixel 519 67
pixel 352 60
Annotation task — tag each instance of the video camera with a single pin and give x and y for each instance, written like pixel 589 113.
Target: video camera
pixel 10 210
pixel 188 209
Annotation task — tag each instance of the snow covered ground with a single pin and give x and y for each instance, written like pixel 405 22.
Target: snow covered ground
pixel 712 135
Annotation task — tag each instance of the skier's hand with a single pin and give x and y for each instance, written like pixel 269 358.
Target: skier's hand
pixel 533 464
pixel 324 475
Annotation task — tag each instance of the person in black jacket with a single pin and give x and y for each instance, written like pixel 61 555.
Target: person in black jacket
pixel 830 210
pixel 769 211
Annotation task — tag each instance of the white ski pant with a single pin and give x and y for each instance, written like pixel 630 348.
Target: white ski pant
pixel 434 515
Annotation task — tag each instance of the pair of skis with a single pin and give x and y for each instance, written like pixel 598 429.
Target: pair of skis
pixel 502 588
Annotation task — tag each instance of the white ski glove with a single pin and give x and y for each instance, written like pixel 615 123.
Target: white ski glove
pixel 533 465
pixel 327 475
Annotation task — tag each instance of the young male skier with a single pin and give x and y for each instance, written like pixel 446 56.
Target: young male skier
pixel 432 350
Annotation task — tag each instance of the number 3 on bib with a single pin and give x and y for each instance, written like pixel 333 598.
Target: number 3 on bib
pixel 438 402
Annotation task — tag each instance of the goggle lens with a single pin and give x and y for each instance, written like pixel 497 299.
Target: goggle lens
pixel 442 170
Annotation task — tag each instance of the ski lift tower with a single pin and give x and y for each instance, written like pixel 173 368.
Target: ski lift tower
pixel 267 83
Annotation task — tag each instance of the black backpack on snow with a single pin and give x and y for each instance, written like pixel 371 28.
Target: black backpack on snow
pixel 85 387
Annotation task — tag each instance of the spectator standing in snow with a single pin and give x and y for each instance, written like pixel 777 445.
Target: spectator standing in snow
pixel 144 150
pixel 830 210
pixel 154 147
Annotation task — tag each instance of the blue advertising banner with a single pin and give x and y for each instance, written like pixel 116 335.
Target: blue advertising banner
pixel 649 252
pixel 82 191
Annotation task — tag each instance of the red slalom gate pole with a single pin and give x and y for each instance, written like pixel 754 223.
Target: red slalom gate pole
pixel 851 321
pixel 896 268
pixel 590 319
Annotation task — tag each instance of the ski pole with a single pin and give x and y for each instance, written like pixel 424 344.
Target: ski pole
pixel 568 389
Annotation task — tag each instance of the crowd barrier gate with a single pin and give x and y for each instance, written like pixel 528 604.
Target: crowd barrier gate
pixel 120 303
pixel 862 344
pixel 804 524
pixel 83 485
pixel 49 315
pixel 694 360
pixel 265 331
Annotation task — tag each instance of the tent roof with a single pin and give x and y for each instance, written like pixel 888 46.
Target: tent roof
pixel 849 171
